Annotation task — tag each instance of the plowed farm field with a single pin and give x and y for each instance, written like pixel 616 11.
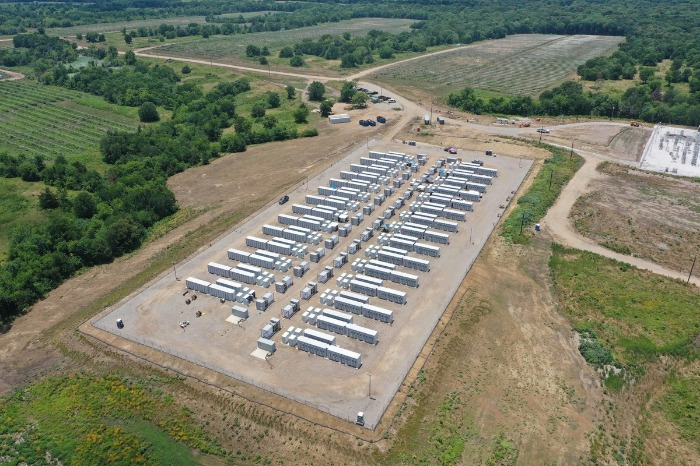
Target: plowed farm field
pixel 524 64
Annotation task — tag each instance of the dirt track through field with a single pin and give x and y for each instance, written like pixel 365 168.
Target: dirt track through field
pixel 558 225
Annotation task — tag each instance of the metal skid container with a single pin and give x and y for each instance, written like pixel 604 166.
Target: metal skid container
pixel 267 345
pixel 240 312
pixel 377 313
pixel 337 315
pixel 344 356
pixel 218 269
pixel 415 263
pixel 361 333
pixel 319 336
pixel 349 305
pixel 309 345
pixel 237 255
pixel 254 242
pixel 389 294
pixel 328 323
pixel 197 285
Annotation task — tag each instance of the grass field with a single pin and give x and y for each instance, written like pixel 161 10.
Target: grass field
pixel 51 121
pixel 223 48
pixel 635 313
pixel 523 64
pixel 93 419
pixel 129 25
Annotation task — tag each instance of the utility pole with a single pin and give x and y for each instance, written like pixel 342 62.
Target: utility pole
pixel 369 390
pixel 470 234
pixel 269 73
pixel 175 270
pixel 522 222
pixel 572 150
pixel 551 175
pixel 431 115
pixel 541 133
pixel 691 270
pixel 612 115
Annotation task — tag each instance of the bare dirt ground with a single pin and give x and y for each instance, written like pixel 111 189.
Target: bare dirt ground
pixel 10 75
pixel 557 225
pixel 624 143
pixel 650 216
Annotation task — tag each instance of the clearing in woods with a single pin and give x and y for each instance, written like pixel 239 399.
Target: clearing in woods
pixel 231 49
pixel 49 121
pixel 524 64
pixel 651 216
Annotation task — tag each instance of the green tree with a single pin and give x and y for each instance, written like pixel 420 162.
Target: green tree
pixel 127 39
pixel 130 57
pixel 326 108
pixel 291 92
pixel 186 70
pixel 84 205
pixel 148 112
pixel 359 100
pixel 296 61
pixel 316 91
pixel 263 60
pixel 273 100
pixel 48 199
pixel 252 51
pixel 123 235
pixel 257 111
pixel 347 91
pixel 646 72
pixel 386 53
pixel 301 114
pixel 233 143
pixel 286 52
pixel 29 172
pixel 269 121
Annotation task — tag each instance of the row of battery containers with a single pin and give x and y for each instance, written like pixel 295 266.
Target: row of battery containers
pixel 319 212
pixel 454 193
pixel 356 184
pixel 262 258
pixel 409 243
pixel 374 170
pixel 371 286
pixel 276 247
pixel 462 177
pixel 385 271
pixel 350 194
pixel 446 200
pixel 478 169
pixel 417 230
pixel 367 177
pixel 293 233
pixel 438 210
pixel 310 222
pixel 457 185
pixel 355 303
pixel 338 322
pixel 244 273
pixel 222 289
pixel 314 342
pixel 332 201
pixel 429 220
pixel 397 256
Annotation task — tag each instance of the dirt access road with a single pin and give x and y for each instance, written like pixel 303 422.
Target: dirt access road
pixel 558 225
pixel 10 75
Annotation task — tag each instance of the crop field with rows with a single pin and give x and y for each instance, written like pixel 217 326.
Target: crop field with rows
pixel 233 47
pixel 525 64
pixel 129 25
pixel 46 120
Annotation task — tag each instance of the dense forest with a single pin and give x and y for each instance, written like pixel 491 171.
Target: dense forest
pixel 95 217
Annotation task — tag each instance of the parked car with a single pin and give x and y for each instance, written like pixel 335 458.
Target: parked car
pixel 478 162
pixel 284 199
pixel 392 101
pixel 452 150
pixel 543 130
pixel 381 119
pixel 371 122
